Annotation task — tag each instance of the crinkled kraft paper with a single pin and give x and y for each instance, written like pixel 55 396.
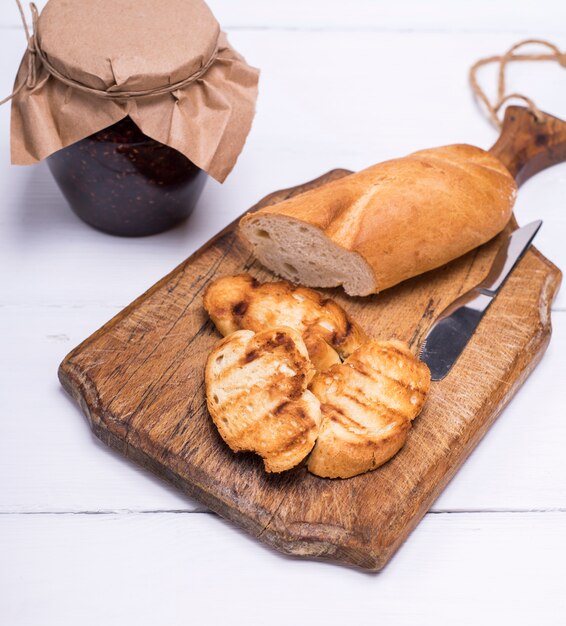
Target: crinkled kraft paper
pixel 207 121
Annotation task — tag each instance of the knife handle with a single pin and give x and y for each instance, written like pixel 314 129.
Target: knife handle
pixel 527 146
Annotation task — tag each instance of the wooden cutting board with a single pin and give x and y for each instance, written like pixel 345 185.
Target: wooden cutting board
pixel 139 380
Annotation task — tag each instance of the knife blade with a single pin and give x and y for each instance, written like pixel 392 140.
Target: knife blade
pixel 453 328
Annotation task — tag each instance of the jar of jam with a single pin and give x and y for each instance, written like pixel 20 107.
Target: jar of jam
pixel 122 182
pixel 174 99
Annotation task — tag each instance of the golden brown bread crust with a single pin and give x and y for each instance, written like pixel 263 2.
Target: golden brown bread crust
pixel 241 302
pixel 410 215
pixel 256 391
pixel 359 411
pixel 367 404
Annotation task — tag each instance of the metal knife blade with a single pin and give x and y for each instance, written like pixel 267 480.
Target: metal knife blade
pixel 454 327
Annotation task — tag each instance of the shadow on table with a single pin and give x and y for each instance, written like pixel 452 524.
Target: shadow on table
pixel 195 506
pixel 202 509
pixel 41 212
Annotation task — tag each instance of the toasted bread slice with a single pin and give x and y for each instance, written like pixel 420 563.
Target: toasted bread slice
pixel 256 389
pixel 241 302
pixel 367 405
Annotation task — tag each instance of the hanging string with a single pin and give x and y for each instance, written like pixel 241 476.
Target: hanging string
pixel 31 75
pixel 511 55
pixel 36 59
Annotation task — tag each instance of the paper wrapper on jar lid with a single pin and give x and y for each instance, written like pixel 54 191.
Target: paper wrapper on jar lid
pixel 166 64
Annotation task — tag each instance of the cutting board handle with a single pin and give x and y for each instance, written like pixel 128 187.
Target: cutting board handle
pixel 526 146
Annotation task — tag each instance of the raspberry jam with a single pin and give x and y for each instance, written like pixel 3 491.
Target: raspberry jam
pixel 122 182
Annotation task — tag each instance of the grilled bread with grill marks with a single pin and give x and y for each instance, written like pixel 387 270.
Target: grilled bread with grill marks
pixel 241 302
pixel 256 390
pixel 367 406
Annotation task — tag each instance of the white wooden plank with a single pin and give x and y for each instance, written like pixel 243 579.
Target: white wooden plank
pixel 457 569
pixel 49 461
pixel 327 99
pixel 483 15
pixel 520 463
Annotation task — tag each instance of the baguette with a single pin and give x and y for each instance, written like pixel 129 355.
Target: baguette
pixel 373 229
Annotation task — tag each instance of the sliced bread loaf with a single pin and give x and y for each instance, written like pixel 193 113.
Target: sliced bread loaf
pixel 375 228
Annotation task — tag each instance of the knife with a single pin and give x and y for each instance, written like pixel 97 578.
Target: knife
pixel 454 327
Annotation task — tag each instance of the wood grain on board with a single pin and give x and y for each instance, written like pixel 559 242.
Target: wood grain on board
pixel 139 380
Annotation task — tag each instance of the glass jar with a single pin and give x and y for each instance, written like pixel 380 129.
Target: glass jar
pixel 123 182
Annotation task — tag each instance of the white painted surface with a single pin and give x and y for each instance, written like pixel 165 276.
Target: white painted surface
pixel 178 569
pixel 339 87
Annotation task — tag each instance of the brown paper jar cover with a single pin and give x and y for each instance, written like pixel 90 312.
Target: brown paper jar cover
pixel 124 47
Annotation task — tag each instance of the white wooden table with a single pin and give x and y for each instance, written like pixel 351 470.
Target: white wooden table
pixel 88 538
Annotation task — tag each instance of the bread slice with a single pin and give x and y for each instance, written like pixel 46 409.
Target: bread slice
pixel 256 390
pixel 367 406
pixel 241 302
pixel 375 228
